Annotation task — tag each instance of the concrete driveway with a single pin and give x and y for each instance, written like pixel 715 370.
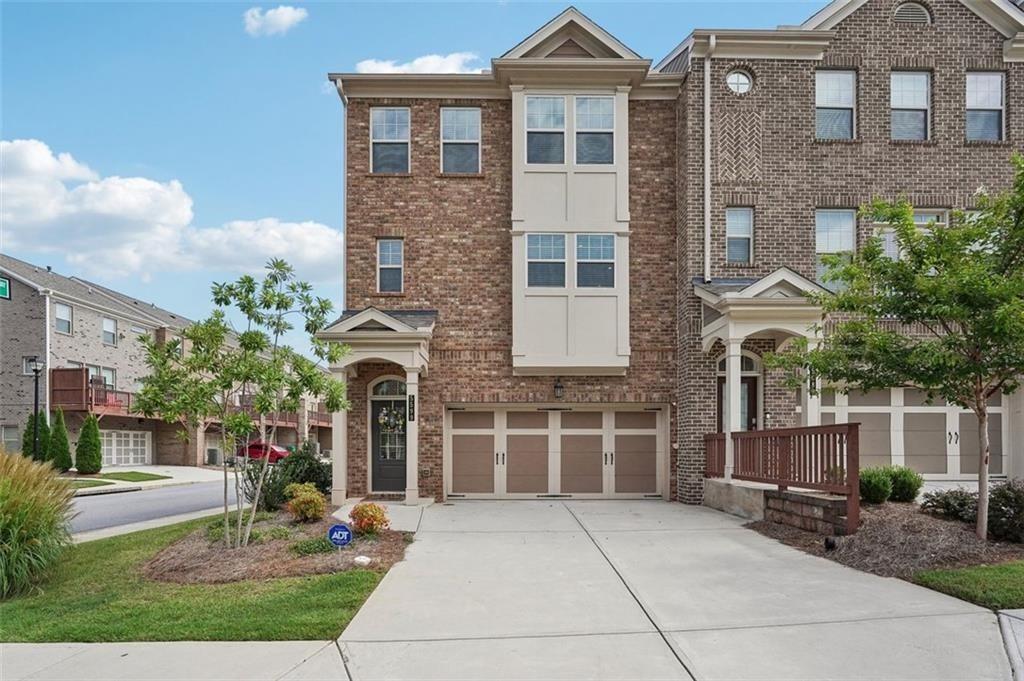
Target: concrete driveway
pixel 617 590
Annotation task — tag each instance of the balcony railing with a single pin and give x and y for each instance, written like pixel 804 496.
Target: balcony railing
pixel 319 416
pixel 72 390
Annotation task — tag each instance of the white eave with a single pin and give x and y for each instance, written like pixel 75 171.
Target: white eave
pixel 762 44
pixel 1002 15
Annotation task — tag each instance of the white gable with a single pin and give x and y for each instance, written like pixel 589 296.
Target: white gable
pixel 587 39
pixel 1002 15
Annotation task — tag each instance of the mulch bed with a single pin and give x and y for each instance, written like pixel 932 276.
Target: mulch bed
pixel 897 540
pixel 195 559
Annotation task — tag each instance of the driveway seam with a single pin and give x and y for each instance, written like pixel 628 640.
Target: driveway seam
pixel 675 653
pixel 344 661
pixel 301 662
pixel 506 637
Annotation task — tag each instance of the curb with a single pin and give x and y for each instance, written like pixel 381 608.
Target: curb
pixel 1011 624
pixel 112 489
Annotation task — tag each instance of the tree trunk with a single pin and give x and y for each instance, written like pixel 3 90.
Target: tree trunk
pixel 259 485
pixel 983 455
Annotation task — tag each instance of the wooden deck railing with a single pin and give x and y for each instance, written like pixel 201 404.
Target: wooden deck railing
pixel 72 390
pixel 822 458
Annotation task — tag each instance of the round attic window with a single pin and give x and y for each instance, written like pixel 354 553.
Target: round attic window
pixel 739 82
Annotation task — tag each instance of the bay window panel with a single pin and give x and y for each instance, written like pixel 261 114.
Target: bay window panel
pixel 595 260
pixel 545 255
pixel 595 125
pixel 545 147
pixel 546 274
pixel 545 130
pixel 595 147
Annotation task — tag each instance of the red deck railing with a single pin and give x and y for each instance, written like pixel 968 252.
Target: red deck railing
pixel 714 455
pixel 72 390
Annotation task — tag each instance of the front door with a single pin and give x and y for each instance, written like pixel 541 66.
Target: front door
pixel 748 402
pixel 388 445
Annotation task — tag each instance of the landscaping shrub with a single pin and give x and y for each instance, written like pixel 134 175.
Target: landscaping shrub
pixel 369 518
pixel 1006 511
pixel 875 485
pixel 308 547
pixel 89 451
pixel 906 483
pixel 59 450
pixel 305 501
pixel 28 437
pixel 305 466
pixel 272 495
pixel 954 504
pixel 35 512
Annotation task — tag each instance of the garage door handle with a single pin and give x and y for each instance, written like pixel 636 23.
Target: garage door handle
pixel 949 437
pixel 957 437
pixel 496 459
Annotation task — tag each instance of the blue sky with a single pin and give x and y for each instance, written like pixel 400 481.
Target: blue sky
pixel 168 145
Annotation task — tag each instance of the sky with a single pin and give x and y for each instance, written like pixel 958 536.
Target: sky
pixel 158 147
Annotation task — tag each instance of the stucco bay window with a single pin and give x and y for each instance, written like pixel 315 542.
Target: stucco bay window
pixel 595 130
pixel 545 130
pixel 545 260
pixel 389 139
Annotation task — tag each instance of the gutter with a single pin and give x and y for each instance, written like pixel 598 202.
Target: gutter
pixel 712 42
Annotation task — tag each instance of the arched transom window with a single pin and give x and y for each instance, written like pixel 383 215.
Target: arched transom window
pixel 389 388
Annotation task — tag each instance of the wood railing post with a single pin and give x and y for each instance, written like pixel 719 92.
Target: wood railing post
pixel 853 478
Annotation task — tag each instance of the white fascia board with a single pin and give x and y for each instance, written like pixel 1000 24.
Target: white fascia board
pixel 570 15
pixel 763 44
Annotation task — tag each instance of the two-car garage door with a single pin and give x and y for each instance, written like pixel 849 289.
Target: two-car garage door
pixel 524 452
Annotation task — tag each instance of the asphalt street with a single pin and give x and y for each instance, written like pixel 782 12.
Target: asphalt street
pixel 110 510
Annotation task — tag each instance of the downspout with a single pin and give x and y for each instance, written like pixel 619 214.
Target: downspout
pixel 712 41
pixel 47 358
pixel 344 203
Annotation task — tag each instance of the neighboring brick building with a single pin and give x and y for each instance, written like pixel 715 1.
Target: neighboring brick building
pixel 566 265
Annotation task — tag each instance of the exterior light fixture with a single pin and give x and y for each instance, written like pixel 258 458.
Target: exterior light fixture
pixel 559 389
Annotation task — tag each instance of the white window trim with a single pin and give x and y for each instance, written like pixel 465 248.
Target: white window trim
pixel 853 109
pixel 564 130
pixel 113 377
pixel 927 110
pixel 70 320
pixel 577 260
pixel 407 141
pixel 400 268
pixel 1001 109
pixel 577 130
pixel 103 331
pixel 479 138
pixel 564 260
pixel 741 72
pixel 749 237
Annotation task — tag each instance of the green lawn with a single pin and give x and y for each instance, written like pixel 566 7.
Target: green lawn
pixel 993 586
pixel 82 484
pixel 98 595
pixel 134 476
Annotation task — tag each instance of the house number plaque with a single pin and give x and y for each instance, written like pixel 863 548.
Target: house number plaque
pixel 412 407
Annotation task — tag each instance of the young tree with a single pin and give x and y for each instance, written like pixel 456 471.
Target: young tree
pixel 946 316
pixel 59 450
pixel 89 450
pixel 28 445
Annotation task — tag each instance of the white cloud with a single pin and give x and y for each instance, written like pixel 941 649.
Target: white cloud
pixel 456 62
pixel 278 20
pixel 119 226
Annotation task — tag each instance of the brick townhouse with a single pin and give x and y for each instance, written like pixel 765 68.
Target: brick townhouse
pixel 563 272
pixel 87 338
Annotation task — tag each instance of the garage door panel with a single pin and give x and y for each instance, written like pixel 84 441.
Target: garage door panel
pixel 527 464
pixel 473 464
pixel 582 462
pixel 924 442
pixel 582 419
pixel 636 419
pixel 636 464
pixel 969 445
pixel 875 440
pixel 527 420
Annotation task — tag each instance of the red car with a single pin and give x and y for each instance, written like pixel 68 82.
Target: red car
pixel 260 450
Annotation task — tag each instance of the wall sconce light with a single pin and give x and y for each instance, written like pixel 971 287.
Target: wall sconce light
pixel 559 389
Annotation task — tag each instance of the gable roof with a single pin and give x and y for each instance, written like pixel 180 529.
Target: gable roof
pixel 165 317
pixel 571 24
pixel 1003 15
pixel 374 319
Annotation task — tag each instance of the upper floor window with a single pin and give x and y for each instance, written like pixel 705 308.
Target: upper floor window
pixel 910 95
pixel 545 260
pixel 106 374
pixel 912 13
pixel 985 106
pixel 62 316
pixel 835 97
pixel 834 234
pixel 545 130
pixel 389 139
pixel 109 331
pixel 739 235
pixel 389 265
pixel 924 221
pixel 460 140
pixel 595 260
pixel 595 130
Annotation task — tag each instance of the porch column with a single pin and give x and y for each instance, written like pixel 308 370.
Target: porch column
pixel 731 417
pixel 412 430
pixel 811 406
pixel 339 457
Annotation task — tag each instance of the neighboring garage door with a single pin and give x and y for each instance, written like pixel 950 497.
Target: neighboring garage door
pixel 519 452
pixel 126 447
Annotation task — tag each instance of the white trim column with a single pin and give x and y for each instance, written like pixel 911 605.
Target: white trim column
pixel 412 430
pixel 339 457
pixel 811 406
pixel 731 400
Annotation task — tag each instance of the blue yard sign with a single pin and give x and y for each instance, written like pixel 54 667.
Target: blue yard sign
pixel 339 535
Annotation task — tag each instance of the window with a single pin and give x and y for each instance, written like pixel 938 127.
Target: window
pixel 109 331
pixel 139 331
pixel 545 260
pixel 910 99
pixel 11 439
pixel 834 233
pixel 923 220
pixel 739 82
pixel 62 318
pixel 460 140
pixel 389 265
pixel 389 137
pixel 595 126
pixel 739 235
pixel 545 130
pixel 109 377
pixel 912 13
pixel 835 94
pixel 389 388
pixel 595 260
pixel 985 106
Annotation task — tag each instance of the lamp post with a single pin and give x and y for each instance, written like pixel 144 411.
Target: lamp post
pixel 37 367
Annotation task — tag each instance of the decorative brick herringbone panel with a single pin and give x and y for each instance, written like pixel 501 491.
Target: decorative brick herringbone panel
pixel 739 135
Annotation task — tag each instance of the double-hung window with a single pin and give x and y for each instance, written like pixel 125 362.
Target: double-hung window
pixel 390 260
pixel 11 438
pixel 460 140
pixel 985 108
pixel 595 130
pixel 924 220
pixel 595 260
pixel 389 139
pixel 910 100
pixel 62 318
pixel 835 101
pixel 545 260
pixel 739 235
pixel 545 130
pixel 109 331
pixel 834 235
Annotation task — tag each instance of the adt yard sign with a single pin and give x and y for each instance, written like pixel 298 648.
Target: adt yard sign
pixel 339 535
